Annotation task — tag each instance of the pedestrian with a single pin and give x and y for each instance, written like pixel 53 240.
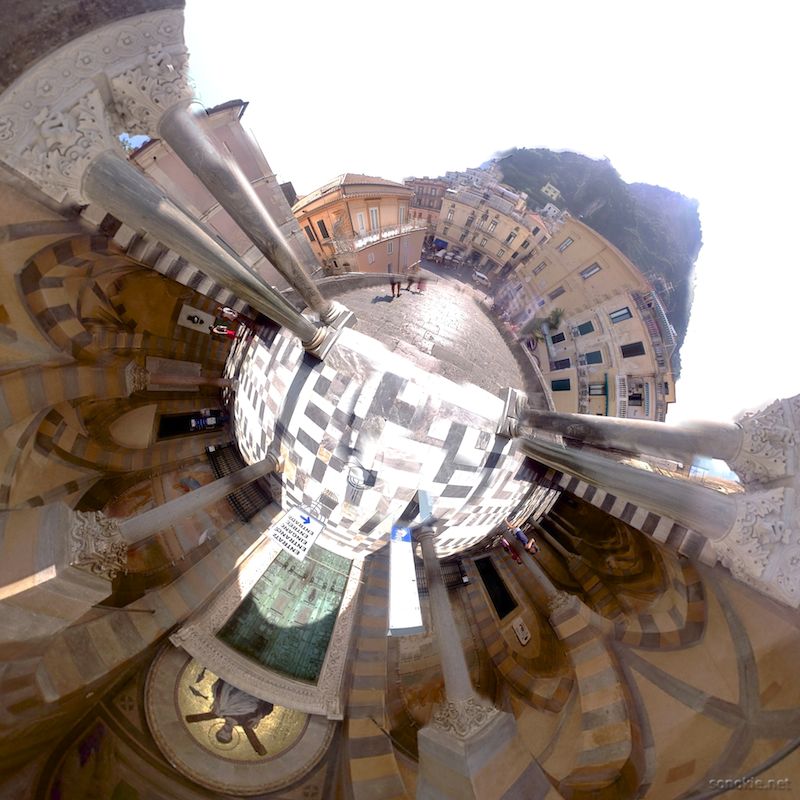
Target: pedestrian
pixel 413 276
pixel 228 313
pixel 421 285
pixel 511 550
pixel 395 281
pixel 528 543
pixel 222 330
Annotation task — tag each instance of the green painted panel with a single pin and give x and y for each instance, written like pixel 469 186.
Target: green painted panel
pixel 286 621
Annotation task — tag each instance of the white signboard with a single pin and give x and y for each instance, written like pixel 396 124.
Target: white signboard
pixel 521 629
pixel 405 617
pixel 297 531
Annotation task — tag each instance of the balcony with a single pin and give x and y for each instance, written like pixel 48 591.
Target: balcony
pixel 362 240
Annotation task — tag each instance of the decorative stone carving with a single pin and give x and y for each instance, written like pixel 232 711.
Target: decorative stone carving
pixel 96 544
pixel 769 443
pixel 136 378
pixel 763 547
pixel 144 93
pixel 561 602
pixel 54 118
pixel 68 140
pixel 463 718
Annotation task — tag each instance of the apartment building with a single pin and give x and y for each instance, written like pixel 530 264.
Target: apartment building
pixel 427 199
pixel 490 227
pixel 594 325
pixel 359 223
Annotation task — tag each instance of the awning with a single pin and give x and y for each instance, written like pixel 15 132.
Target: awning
pixel 440 244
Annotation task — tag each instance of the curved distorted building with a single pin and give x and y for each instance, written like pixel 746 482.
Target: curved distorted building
pixel 253 521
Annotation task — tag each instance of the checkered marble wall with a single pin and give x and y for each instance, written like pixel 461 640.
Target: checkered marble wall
pixel 371 406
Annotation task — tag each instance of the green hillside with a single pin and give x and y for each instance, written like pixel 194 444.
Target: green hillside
pixel 658 229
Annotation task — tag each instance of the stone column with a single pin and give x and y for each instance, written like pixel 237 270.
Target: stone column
pixel 679 442
pixel 65 560
pixel 469 750
pixel 704 510
pixel 126 193
pixel 167 379
pixel 457 682
pixel 182 130
pixel 140 527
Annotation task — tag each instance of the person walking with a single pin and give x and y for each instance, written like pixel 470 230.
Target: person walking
pixel 395 282
pixel 228 313
pixel 413 276
pixel 528 543
pixel 222 330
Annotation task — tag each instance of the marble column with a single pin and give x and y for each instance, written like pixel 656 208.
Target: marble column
pixel 126 193
pixel 469 750
pixel 679 442
pixel 171 379
pixel 458 684
pixel 704 510
pixel 181 128
pixel 146 524
pixel 65 560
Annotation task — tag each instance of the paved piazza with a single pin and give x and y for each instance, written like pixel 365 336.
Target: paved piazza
pixel 407 400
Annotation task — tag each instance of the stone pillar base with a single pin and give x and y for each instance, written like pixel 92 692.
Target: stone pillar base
pixel 344 318
pixel 515 402
pixel 339 317
pixel 487 764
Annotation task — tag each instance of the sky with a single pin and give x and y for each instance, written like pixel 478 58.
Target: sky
pixel 698 97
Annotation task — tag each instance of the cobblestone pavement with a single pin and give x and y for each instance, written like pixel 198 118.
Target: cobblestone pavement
pixel 444 330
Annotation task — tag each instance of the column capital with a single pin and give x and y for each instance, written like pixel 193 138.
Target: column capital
pixel 463 718
pixel 96 544
pixel 137 377
pixel 770 447
pixel 62 143
pixel 142 94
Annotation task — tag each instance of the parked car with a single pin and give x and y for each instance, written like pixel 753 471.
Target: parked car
pixel 481 279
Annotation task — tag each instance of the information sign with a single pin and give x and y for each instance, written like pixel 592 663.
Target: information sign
pixel 297 531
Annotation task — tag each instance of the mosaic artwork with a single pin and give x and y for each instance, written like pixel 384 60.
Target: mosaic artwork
pixel 285 622
pixel 231 723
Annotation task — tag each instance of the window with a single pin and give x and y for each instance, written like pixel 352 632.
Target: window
pixel 389 248
pixel 526 244
pixel 666 388
pixel 594 357
pixel 561 363
pixel 535 231
pixel 323 231
pixel 470 220
pixel 510 238
pixel 463 237
pixel 597 389
pixel 310 233
pixel 492 225
pixel 634 349
pixel 515 254
pixel 361 222
pixel 565 244
pixel 592 269
pixel 501 253
pixel 483 241
pixel 557 337
pixel 584 328
pixel 374 219
pixel 620 314
pixel 402 215
pixel 557 292
pixel 370 258
pixel 540 268
pixel 561 385
pixel 450 215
